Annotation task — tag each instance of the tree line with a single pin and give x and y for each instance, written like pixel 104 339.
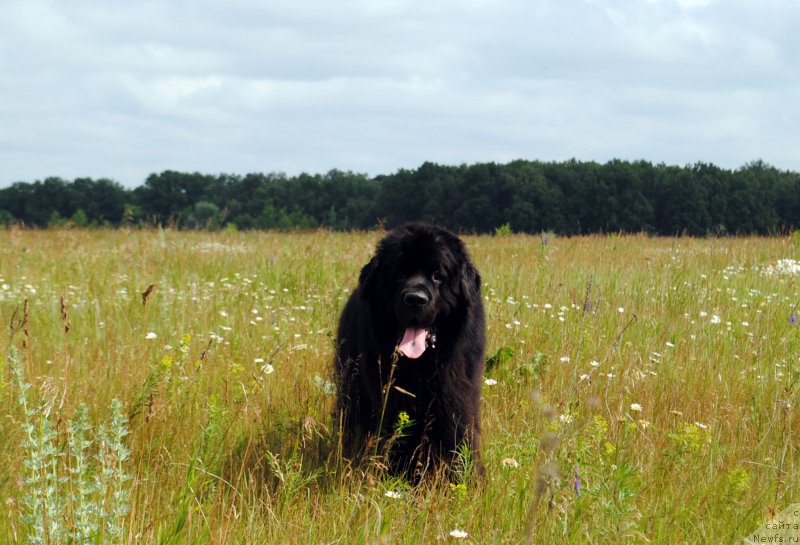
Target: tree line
pixel 568 198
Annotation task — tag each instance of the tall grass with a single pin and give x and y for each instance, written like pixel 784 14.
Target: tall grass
pixel 641 391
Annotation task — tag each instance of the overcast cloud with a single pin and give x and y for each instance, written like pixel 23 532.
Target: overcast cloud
pixel 122 89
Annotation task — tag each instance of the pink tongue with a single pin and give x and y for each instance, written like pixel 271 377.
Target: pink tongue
pixel 413 343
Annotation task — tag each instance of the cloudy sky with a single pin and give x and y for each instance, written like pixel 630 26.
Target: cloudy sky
pixel 123 88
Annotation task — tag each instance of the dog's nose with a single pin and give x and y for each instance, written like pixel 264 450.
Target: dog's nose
pixel 416 298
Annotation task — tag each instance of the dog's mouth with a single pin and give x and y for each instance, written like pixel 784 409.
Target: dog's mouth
pixel 415 341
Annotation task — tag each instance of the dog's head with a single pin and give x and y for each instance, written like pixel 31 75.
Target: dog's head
pixel 420 274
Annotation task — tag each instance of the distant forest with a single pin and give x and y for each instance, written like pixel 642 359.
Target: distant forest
pixel 568 198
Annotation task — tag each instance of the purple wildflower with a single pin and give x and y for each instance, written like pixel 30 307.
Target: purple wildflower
pixel 577 484
pixel 793 318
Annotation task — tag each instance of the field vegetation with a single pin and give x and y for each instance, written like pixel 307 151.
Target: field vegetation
pixel 174 387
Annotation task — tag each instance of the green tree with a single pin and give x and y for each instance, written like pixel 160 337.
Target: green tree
pixel 6 218
pixel 80 219
pixel 103 200
pixel 205 215
pixel 681 204
pixel 536 202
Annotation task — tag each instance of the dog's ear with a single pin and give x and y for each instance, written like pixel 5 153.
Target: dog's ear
pixel 469 282
pixel 368 278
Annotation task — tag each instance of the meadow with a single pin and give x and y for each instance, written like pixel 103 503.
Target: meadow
pixel 174 387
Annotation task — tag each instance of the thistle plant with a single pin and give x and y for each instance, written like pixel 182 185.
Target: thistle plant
pixel 110 481
pixel 44 508
pixel 83 499
pixel 83 509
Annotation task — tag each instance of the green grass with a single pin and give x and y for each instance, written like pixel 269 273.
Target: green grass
pixel 660 373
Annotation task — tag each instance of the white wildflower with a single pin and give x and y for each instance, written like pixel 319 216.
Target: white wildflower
pixel 510 462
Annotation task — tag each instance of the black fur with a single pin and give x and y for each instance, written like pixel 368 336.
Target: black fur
pixel 420 275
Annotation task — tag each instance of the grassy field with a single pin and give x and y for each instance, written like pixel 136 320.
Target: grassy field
pixel 641 391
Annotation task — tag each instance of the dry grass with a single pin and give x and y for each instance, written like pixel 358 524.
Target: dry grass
pixel 660 373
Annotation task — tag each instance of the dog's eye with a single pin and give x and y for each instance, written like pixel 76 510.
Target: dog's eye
pixel 437 276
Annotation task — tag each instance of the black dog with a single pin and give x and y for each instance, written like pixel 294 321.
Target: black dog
pixel 410 354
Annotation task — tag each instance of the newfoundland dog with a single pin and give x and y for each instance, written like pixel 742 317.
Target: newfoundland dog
pixel 410 354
